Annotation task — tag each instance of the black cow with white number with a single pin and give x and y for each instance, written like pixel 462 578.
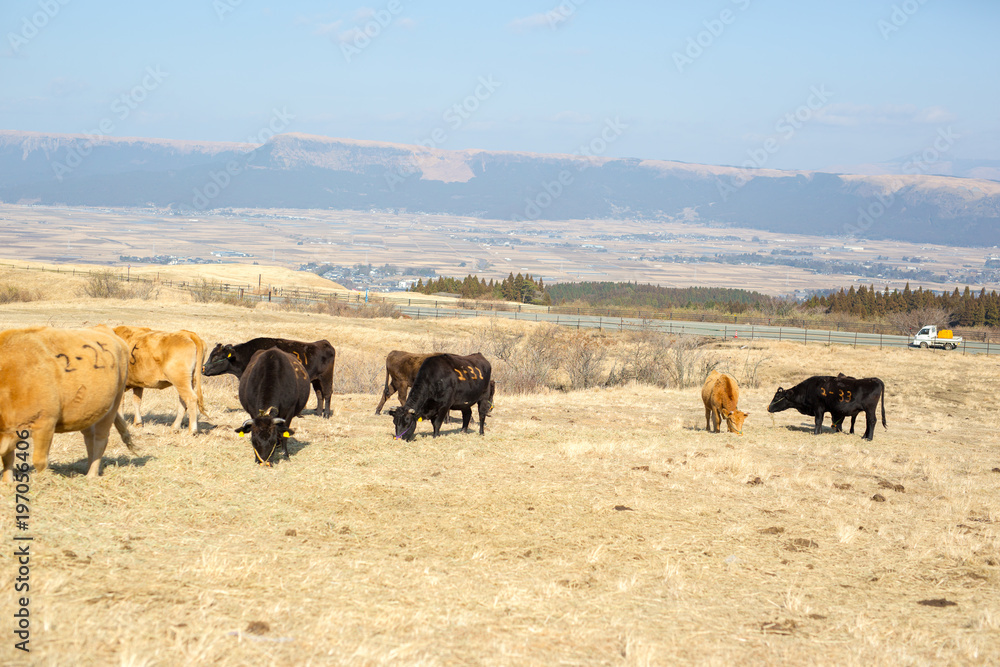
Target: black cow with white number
pixel 446 382
pixel 318 358
pixel 274 388
pixel 841 396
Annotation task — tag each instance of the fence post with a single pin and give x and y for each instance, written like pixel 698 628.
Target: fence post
pixel 855 340
pixel 805 337
pixel 779 333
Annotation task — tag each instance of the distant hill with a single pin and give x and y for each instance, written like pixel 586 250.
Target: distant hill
pixel 303 171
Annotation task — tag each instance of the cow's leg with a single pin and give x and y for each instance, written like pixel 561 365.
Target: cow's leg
pixel 869 424
pixel 186 402
pixel 137 406
pixel 466 418
pixel 437 420
pixel 41 440
pixel 484 409
pixel 8 448
pixel 284 446
pixel 326 382
pixel 318 388
pixel 401 393
pixel 96 439
pixel 387 391
pixel 716 420
pixel 708 419
pixel 854 418
pixel 819 421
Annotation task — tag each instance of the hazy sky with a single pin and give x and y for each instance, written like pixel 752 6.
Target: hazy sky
pixel 780 83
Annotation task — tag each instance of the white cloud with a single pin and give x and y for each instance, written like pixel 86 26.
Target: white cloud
pixel 856 115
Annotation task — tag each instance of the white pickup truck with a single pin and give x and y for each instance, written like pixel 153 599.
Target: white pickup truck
pixel 931 336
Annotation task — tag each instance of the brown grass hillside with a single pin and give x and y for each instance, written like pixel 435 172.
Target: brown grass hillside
pixel 596 526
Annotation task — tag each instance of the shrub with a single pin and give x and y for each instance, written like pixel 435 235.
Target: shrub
pixel 108 284
pixel 14 294
pixel 582 359
pixel 204 291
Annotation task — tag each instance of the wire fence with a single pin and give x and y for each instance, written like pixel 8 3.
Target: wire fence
pixel 622 319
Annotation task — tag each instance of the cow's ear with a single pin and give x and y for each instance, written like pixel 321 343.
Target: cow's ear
pixel 246 428
pixel 779 390
pixel 392 412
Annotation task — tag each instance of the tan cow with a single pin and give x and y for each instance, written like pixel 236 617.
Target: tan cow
pixel 58 381
pixel 159 359
pixel 721 393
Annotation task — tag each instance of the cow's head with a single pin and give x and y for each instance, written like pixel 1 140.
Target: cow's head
pixel 266 432
pixel 405 421
pixel 219 361
pixel 734 419
pixel 780 401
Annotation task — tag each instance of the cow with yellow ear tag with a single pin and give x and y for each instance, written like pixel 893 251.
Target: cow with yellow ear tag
pixel 274 389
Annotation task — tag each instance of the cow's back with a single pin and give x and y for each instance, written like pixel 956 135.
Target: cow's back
pixel 708 388
pixel 71 377
pixel 274 378
pixel 726 393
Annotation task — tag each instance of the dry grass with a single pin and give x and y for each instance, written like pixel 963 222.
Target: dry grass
pixel 600 526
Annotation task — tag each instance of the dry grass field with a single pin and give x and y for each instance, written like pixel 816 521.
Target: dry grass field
pixel 593 527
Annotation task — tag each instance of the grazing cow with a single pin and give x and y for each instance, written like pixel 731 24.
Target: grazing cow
pixel 317 358
pixel 274 388
pixel 446 382
pixel 400 372
pixel 159 359
pixel 721 393
pixel 57 381
pixel 841 396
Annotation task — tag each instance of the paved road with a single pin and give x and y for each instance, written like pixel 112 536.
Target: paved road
pixel 710 329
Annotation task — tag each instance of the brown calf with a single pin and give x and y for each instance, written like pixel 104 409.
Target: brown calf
pixel 400 372
pixel 159 359
pixel 721 393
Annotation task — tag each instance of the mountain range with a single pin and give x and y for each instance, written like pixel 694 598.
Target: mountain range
pixel 309 172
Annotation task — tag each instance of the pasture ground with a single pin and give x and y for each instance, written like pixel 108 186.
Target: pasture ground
pixel 601 526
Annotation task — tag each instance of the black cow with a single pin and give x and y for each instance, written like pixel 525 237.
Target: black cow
pixel 317 358
pixel 841 396
pixel 446 382
pixel 274 388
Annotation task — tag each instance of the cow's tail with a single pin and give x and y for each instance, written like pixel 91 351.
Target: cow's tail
pixel 884 425
pixel 122 429
pixel 196 375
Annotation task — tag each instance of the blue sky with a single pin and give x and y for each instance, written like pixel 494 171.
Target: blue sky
pixel 783 84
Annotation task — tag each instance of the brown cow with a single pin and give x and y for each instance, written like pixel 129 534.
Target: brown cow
pixel 400 371
pixel 58 381
pixel 721 393
pixel 159 359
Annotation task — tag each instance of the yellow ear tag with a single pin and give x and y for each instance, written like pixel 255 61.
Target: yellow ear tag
pixel 241 434
pixel 287 434
pixel 420 419
pixel 229 356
